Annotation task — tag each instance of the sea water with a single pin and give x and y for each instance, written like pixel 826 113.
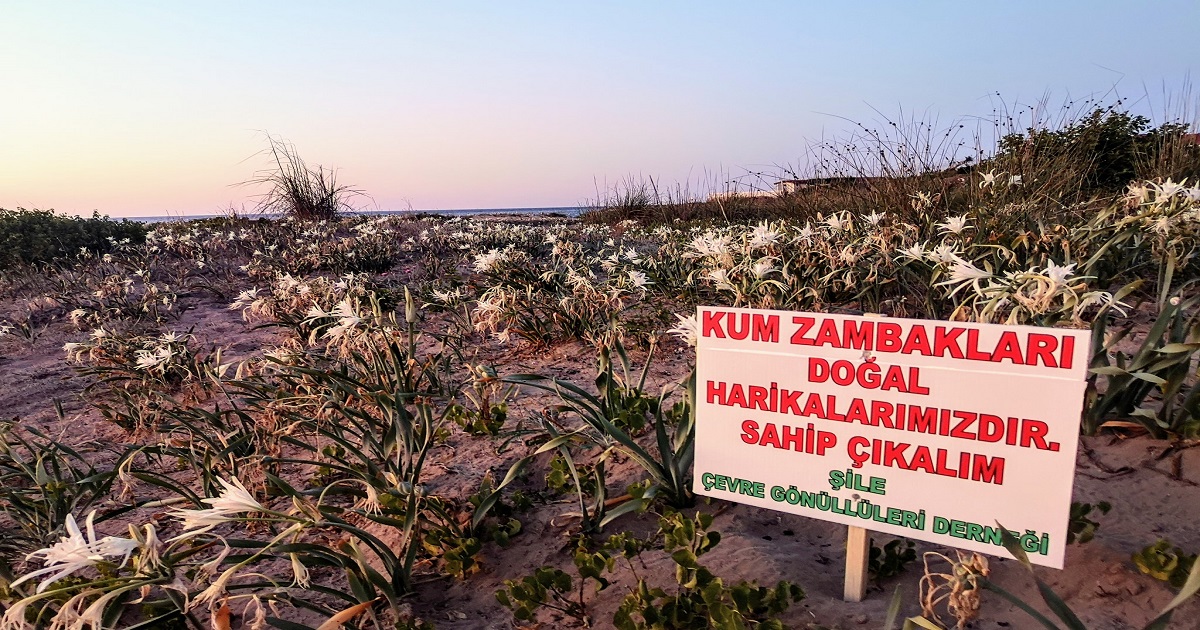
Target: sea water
pixel 571 211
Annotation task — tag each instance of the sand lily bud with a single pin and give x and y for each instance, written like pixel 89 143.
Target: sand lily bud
pixel 410 307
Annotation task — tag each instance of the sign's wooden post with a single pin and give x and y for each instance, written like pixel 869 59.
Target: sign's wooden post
pixel 858 551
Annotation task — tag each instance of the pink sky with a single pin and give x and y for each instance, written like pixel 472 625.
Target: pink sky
pixel 146 109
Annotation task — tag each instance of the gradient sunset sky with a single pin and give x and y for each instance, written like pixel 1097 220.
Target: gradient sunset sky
pixel 158 108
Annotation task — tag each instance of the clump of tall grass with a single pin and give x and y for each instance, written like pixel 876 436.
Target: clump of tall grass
pixel 298 190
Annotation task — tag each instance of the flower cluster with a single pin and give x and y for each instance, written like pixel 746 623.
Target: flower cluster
pixel 166 360
pixel 178 564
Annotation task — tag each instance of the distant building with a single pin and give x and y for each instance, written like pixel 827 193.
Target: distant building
pixel 742 194
pixel 789 186
pixel 792 186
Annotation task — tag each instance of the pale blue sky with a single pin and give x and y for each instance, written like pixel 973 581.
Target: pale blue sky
pixel 153 108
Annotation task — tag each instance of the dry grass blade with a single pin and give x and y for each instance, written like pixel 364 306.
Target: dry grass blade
pixel 335 622
pixel 222 618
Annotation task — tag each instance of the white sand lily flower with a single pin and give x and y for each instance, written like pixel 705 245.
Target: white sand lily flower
pixel 74 350
pixel 217 588
pixel 490 305
pixel 989 179
pixel 954 225
pixel 487 262
pixel 711 244
pixel 77 316
pixel 150 359
pixel 254 614
pixel 1104 299
pixel 762 267
pixel 234 499
pixel 446 297
pixel 963 271
pixel 1162 225
pixel 1136 194
pixel 76 551
pixel 874 219
pixel 348 320
pixel 300 575
pixel 316 312
pixel 763 235
pixel 70 614
pixel 150 548
pixel 687 329
pixel 720 277
pixel 836 223
pixel 914 252
pixel 806 233
pixel 14 617
pixel 638 280
pixel 1168 189
pixel 244 299
pixel 210 568
pixel 93 615
pixel 1059 274
pixel 943 253
pixel 287 283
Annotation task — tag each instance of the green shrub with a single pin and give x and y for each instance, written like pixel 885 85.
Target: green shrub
pixel 39 236
pixel 1098 153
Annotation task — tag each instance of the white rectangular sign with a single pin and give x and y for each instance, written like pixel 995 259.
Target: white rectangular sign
pixel 931 430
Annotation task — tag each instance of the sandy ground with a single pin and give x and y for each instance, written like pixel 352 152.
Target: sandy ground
pixel 1152 496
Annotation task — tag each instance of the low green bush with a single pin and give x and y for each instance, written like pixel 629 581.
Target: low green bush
pixel 1100 152
pixel 39 236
